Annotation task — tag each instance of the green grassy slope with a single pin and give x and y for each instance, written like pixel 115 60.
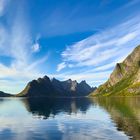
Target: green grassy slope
pixel 124 80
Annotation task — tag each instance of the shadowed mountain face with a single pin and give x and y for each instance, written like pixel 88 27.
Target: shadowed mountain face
pixel 2 94
pixel 46 107
pixel 125 79
pixel 125 112
pixel 55 88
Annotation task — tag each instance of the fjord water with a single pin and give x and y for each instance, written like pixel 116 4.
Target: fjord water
pixel 69 119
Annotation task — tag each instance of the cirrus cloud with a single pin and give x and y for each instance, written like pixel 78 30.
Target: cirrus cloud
pixel 94 58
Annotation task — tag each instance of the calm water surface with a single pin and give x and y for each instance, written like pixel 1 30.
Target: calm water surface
pixel 70 119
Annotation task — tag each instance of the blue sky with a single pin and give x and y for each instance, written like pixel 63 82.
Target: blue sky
pixel 77 39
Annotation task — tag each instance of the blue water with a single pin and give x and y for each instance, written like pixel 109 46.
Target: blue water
pixel 63 119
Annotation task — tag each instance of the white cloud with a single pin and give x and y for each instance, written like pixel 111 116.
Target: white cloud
pixel 3 4
pixel 16 44
pixel 61 66
pixel 36 47
pixel 38 62
pixel 14 73
pixel 127 38
pixel 102 47
pixel 94 58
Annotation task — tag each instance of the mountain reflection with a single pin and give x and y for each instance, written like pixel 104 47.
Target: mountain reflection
pixel 73 118
pixel 125 112
pixel 46 107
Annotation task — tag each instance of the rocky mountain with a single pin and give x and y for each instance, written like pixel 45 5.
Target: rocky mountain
pixel 54 88
pixel 2 94
pixel 125 79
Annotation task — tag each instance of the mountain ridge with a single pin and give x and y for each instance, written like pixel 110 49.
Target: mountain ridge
pixel 55 88
pixel 3 94
pixel 125 78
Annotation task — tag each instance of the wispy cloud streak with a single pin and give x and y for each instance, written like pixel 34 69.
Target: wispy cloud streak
pixel 3 4
pixel 16 43
pixel 100 48
pixel 100 52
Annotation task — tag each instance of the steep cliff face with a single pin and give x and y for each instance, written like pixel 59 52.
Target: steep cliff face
pixel 125 79
pixel 55 88
pixel 128 67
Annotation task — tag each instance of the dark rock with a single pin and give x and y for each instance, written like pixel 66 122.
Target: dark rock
pixel 2 94
pixel 55 88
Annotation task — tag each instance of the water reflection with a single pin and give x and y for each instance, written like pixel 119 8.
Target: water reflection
pixel 46 107
pixel 69 118
pixel 125 112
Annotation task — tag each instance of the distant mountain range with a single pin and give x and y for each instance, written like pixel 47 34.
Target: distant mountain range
pixel 45 87
pixel 2 94
pixel 124 80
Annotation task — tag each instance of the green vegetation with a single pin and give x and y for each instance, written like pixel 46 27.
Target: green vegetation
pixel 124 80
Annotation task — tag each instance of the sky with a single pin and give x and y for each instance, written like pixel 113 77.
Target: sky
pixel 77 39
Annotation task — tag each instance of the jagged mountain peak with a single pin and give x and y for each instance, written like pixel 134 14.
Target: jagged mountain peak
pixel 83 82
pixel 46 77
pixel 68 81
pixel 125 79
pixel 133 58
pixel 128 67
pixel 46 87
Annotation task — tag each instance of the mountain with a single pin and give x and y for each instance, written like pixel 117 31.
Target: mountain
pixel 125 79
pixel 2 94
pixel 55 88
